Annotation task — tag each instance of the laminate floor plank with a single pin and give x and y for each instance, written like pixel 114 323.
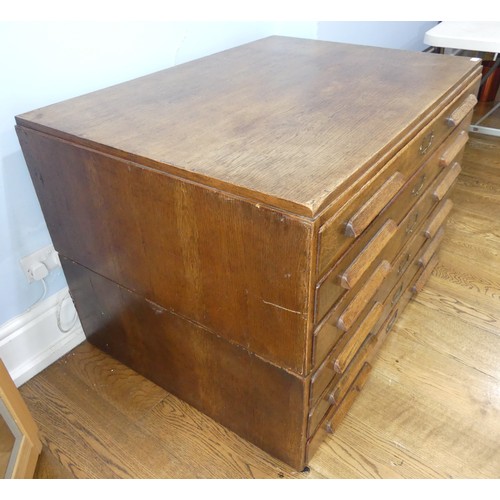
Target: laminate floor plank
pixel 135 397
pixel 448 334
pixel 129 446
pixel 478 286
pixel 443 444
pixel 473 238
pixel 437 375
pixel 475 203
pixel 86 448
pixel 210 446
pixel 445 371
pixel 475 307
pixel 481 281
pixel 359 450
pixel 440 404
pixel 49 466
pixel 480 176
pixel 470 314
pixel 480 164
pixel 126 390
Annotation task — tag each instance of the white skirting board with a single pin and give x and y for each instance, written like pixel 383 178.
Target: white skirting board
pixel 32 341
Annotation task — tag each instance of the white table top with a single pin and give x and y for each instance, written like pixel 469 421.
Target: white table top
pixel 481 36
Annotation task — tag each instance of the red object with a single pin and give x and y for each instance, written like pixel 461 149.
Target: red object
pixel 489 89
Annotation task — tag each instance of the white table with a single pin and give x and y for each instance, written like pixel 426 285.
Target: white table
pixel 479 36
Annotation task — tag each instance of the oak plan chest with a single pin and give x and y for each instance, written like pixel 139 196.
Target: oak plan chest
pixel 245 229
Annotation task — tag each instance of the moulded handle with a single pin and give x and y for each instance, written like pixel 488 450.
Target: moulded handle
pixel 431 249
pixel 348 399
pixel 462 111
pixel 365 294
pixel 357 364
pixel 365 215
pixel 391 322
pixel 438 219
pixel 362 262
pixel 422 280
pixel 354 343
pixel 452 152
pixel 444 186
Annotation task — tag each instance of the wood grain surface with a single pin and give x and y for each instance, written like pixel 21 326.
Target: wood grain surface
pixel 430 408
pixel 175 243
pixel 254 398
pixel 282 97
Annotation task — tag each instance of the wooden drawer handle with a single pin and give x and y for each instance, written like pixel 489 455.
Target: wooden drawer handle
pixel 358 337
pixel 438 219
pixel 363 261
pixel 431 249
pixel 447 182
pixel 462 111
pixel 422 280
pixel 342 386
pixel 392 321
pixel 365 294
pixel 349 398
pixel 452 152
pixel 365 215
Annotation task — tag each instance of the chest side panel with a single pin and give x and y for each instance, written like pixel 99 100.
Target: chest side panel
pixel 258 401
pixel 235 267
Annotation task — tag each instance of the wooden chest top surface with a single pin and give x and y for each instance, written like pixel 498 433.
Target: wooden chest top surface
pixel 285 121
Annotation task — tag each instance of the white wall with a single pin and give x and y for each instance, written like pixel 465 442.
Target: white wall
pixel 407 35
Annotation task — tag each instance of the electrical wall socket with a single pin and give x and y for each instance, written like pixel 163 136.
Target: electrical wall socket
pixel 46 256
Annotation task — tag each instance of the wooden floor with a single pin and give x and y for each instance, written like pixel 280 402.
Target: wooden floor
pixel 431 408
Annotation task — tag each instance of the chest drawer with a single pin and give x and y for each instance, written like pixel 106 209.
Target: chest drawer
pixel 354 264
pixel 338 233
pixel 410 270
pixel 349 310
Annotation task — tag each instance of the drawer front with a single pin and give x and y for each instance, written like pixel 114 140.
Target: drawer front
pixel 350 310
pixel 337 413
pixel 331 370
pixel 341 409
pixel 346 359
pixel 336 389
pixel 424 275
pixel 406 261
pixel 337 234
pixel 353 265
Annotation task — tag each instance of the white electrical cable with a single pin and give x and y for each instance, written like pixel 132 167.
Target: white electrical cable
pixel 44 284
pixel 17 316
pixel 58 315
